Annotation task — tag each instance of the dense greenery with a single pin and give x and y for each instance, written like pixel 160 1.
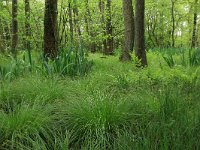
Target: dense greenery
pixel 72 78
pixel 158 23
pixel 117 106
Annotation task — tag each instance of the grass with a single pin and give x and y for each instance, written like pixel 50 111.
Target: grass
pixel 116 106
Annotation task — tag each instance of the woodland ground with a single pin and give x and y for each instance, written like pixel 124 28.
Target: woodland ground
pixel 116 106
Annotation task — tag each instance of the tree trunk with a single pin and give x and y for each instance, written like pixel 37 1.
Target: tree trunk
pixel 50 29
pixel 88 20
pixel 14 28
pixel 139 33
pixel 27 24
pixel 70 22
pixel 87 16
pixel 76 21
pixel 109 30
pixel 173 22
pixel 129 30
pixel 102 11
pixel 194 25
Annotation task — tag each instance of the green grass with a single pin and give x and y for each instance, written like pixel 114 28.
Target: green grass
pixel 116 106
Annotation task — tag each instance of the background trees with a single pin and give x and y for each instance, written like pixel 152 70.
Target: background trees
pixel 99 24
pixel 50 100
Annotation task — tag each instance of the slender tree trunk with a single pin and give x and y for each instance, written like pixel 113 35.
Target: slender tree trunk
pixel 194 24
pixel 173 22
pixel 14 27
pixel 63 23
pixel 28 30
pixel 88 20
pixel 129 30
pixel 109 30
pixel 70 22
pixel 76 21
pixel 87 16
pixel 50 29
pixel 27 24
pixel 139 32
pixel 102 11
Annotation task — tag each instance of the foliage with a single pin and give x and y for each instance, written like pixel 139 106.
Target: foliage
pixel 170 60
pixel 88 101
pixel 190 58
pixel 149 108
pixel 13 69
pixel 72 62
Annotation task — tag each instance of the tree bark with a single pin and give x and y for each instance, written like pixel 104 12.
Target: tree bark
pixel 50 29
pixel 14 28
pixel 88 20
pixel 139 33
pixel 173 22
pixel 109 30
pixel 27 24
pixel 194 24
pixel 102 11
pixel 76 21
pixel 70 22
pixel 129 30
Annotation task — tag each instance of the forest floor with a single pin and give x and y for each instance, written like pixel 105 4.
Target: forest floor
pixel 116 106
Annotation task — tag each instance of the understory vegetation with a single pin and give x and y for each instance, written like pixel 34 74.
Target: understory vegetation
pixel 113 105
pixel 99 75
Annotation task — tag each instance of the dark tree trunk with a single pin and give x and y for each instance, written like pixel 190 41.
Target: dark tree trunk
pixel 71 22
pixel 27 24
pixel 139 32
pixel 50 29
pixel 173 22
pixel 87 16
pixel 109 30
pixel 129 30
pixel 14 28
pixel 194 24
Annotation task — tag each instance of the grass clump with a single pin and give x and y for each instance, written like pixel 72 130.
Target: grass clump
pixel 117 106
pixel 23 125
pixel 96 121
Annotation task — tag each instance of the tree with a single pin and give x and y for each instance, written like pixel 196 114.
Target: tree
pixel 70 21
pixel 88 21
pixel 27 24
pixel 109 30
pixel 76 20
pixel 173 22
pixel 194 24
pixel 129 30
pixel 102 12
pixel 139 32
pixel 50 29
pixel 14 28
